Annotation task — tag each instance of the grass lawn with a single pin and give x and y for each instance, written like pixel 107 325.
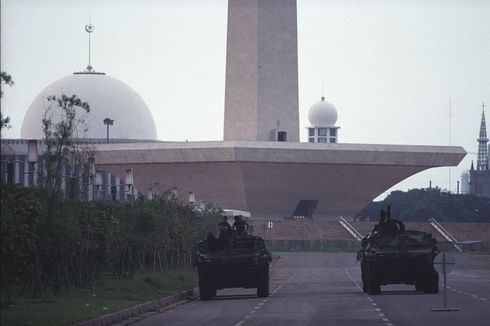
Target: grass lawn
pixel 79 305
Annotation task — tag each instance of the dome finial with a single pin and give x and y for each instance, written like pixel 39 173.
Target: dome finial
pixel 89 28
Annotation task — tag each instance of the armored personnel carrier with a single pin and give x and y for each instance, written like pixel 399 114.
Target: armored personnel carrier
pixel 390 255
pixel 232 262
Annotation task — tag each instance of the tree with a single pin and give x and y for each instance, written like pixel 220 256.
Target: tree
pixel 5 79
pixel 62 127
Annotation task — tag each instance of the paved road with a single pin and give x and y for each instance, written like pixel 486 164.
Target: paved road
pixel 324 289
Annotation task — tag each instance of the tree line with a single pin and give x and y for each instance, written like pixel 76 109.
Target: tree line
pixel 70 244
pixel 422 204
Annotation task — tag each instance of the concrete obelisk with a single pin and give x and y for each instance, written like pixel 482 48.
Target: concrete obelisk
pixel 261 94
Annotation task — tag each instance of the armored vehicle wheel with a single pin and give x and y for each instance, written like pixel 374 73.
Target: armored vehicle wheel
pixel 364 286
pixel 364 280
pixel 373 286
pixel 419 286
pixel 372 282
pixel 263 286
pixel 206 292
pixel 428 284
pixel 432 284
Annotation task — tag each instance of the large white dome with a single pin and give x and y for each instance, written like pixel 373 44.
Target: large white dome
pixel 322 114
pixel 108 97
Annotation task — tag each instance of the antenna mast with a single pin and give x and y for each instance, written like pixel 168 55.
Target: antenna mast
pixel 450 170
pixel 89 28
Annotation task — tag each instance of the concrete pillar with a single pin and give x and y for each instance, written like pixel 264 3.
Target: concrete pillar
pixel 261 93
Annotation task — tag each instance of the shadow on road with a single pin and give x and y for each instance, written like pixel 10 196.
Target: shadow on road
pixel 402 292
pixel 235 296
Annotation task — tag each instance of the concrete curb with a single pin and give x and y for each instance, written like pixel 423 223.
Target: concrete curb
pixel 132 314
pixel 140 311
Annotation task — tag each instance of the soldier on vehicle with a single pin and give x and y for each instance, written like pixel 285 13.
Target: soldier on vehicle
pixel 240 226
pixel 224 228
pixel 387 225
pixel 382 220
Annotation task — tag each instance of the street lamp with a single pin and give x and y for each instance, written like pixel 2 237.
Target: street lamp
pixel 98 179
pixel 129 181
pixel 32 153
pixel 108 122
pixel 192 198
pixel 32 156
pixel 92 171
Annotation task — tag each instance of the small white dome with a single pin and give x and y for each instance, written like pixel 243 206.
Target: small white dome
pixel 322 114
pixel 108 97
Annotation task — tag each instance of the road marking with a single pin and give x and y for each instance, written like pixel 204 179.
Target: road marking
pixel 467 293
pixel 254 310
pixel 374 304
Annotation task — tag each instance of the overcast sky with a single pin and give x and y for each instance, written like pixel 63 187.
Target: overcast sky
pixel 389 67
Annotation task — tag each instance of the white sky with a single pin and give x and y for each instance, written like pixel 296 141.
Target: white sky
pixel 389 67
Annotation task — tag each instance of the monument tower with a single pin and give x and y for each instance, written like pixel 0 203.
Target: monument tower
pixel 261 93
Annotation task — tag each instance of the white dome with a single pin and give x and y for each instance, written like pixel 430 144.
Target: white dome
pixel 108 98
pixel 322 114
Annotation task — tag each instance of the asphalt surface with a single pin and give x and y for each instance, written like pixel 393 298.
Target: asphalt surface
pixel 324 289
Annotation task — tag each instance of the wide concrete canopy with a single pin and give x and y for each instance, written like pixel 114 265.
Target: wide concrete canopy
pixel 269 179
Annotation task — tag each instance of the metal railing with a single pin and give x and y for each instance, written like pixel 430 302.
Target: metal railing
pixel 445 234
pixel 346 225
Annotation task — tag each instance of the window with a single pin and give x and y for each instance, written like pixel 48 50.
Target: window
pixel 333 132
pixel 311 132
pixel 322 139
pixel 333 140
pixel 322 131
pixel 282 136
pixel 311 140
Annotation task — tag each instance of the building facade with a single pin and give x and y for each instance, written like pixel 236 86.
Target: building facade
pixel 20 165
pixel 465 182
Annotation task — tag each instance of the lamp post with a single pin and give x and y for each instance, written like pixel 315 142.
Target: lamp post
pixel 108 122
pixel 32 156
pixel 192 198
pixel 129 182
pixel 92 173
